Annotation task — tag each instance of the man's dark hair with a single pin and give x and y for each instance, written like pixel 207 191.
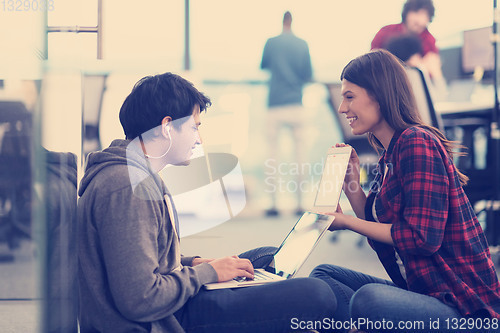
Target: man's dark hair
pixel 416 5
pixel 404 46
pixel 156 97
pixel 287 18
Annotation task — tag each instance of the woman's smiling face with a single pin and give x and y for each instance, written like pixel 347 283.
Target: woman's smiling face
pixel 361 110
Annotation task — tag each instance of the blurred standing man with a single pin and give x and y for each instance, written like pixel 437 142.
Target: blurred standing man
pixel 416 17
pixel 287 58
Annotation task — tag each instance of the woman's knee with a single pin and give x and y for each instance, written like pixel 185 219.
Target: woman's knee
pixel 322 294
pixel 370 297
pixel 320 270
pixel 315 295
pixel 326 270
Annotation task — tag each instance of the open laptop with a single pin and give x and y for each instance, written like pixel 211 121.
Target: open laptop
pixel 307 231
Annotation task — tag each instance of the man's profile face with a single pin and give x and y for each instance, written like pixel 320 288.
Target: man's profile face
pixel 417 21
pixel 185 138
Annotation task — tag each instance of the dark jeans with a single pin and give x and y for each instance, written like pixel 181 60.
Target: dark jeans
pixel 268 308
pixel 377 305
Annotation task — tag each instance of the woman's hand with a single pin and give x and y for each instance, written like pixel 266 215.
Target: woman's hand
pixel 339 222
pixel 380 232
pixel 352 176
pixel 352 187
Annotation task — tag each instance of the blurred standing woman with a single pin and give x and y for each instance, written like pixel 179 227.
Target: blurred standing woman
pixel 416 216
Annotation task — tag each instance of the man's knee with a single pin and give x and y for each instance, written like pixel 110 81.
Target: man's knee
pixel 261 256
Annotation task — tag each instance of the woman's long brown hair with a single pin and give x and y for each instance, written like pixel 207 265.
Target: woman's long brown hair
pixel 384 78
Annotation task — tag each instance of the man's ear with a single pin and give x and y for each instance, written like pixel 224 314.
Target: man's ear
pixel 166 125
pixel 166 129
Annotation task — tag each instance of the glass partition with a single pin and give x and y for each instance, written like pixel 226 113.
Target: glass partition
pixel 22 243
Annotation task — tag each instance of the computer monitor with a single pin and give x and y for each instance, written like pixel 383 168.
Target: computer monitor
pixel 477 50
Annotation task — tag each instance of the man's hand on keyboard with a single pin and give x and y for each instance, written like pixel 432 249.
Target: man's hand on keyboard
pixel 228 268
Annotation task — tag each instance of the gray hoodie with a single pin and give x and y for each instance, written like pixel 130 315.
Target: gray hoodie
pixel 132 277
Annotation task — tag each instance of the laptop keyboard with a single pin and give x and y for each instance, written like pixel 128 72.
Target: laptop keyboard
pixel 259 276
pixel 240 279
pixel 256 277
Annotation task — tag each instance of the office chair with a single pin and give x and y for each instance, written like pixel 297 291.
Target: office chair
pixel 420 84
pixel 15 172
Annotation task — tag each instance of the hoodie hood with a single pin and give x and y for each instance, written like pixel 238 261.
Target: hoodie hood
pixel 120 152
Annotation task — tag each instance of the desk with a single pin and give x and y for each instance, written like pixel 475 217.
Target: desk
pixel 464 109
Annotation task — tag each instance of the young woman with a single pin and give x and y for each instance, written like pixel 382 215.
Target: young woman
pixel 416 217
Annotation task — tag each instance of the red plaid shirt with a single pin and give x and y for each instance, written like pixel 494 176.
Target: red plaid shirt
pixel 434 228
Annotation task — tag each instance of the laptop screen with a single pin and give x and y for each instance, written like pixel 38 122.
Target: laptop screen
pixel 299 243
pixel 330 185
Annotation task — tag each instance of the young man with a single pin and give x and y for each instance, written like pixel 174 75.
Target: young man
pixel 132 276
pixel 416 17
